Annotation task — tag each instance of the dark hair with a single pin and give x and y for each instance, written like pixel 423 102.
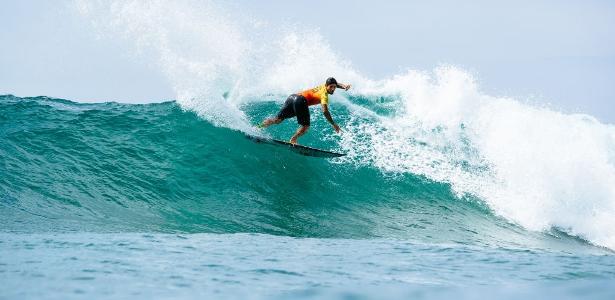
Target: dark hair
pixel 331 80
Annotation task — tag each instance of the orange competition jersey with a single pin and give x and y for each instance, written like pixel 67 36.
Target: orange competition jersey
pixel 316 95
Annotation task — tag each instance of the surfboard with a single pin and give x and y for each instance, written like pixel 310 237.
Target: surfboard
pixel 303 150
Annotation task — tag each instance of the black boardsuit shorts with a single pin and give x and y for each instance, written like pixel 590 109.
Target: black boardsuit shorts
pixel 295 105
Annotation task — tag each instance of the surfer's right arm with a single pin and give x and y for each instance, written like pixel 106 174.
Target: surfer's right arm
pixel 325 111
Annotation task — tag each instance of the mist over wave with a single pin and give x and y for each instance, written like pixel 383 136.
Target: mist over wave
pixel 534 166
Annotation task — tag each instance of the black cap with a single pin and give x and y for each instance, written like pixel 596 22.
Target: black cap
pixel 331 80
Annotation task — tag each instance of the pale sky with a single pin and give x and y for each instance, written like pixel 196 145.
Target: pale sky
pixel 556 52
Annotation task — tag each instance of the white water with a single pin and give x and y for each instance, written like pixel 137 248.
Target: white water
pixel 534 166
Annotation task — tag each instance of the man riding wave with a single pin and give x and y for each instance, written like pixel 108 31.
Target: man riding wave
pixel 296 105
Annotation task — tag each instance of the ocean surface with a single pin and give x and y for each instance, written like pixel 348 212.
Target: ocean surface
pixel 153 201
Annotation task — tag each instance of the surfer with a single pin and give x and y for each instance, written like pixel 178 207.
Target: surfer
pixel 296 105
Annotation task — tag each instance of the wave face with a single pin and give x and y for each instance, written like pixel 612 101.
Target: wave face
pixel 122 168
pixel 157 167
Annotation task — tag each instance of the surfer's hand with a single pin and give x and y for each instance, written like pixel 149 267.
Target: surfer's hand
pixel 337 128
pixel 347 87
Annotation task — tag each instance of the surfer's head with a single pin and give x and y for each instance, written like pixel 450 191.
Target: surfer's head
pixel 331 84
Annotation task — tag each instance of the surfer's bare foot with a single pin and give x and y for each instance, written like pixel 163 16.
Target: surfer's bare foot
pixel 293 141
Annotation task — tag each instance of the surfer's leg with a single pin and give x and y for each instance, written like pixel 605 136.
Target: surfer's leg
pixel 270 121
pixel 287 111
pixel 302 111
pixel 302 130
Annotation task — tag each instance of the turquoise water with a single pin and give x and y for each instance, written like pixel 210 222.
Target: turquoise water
pixel 152 200
pixel 194 266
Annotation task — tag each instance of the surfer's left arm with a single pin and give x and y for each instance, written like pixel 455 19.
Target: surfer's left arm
pixel 325 111
pixel 344 86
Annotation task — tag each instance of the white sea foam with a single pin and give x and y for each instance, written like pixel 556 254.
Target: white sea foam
pixel 534 166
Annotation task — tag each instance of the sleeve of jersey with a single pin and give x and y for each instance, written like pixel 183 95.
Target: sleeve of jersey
pixel 324 99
